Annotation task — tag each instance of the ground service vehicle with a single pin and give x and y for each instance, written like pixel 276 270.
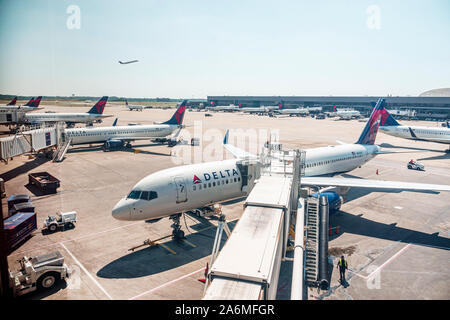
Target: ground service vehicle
pixel 40 272
pixel 65 220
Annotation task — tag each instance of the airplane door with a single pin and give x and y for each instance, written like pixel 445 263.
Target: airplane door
pixel 181 190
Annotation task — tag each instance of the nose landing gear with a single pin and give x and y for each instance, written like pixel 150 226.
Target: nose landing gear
pixel 177 233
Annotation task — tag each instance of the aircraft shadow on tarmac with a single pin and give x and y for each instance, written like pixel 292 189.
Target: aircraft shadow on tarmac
pixel 24 168
pixel 123 149
pixel 154 260
pixel 388 145
pixel 356 224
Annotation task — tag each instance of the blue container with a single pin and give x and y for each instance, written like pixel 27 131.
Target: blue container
pixel 18 227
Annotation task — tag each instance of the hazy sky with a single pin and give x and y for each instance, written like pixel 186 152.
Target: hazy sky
pixel 190 48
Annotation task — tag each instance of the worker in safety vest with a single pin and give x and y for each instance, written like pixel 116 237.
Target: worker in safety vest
pixel 342 265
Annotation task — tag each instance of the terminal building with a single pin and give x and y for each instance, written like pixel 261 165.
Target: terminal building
pixel 436 108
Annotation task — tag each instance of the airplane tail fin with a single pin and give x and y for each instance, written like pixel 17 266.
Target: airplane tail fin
pixel 280 105
pixel 36 102
pixel 30 103
pixel 13 102
pixel 334 108
pixel 369 132
pixel 126 103
pixel 99 106
pixel 387 119
pixel 178 116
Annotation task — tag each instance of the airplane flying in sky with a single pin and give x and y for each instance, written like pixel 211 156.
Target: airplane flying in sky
pixel 95 114
pixel 31 105
pixel 169 192
pixel 432 134
pixel 116 136
pixel 128 62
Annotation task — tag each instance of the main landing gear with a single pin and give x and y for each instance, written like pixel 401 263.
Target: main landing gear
pixel 177 233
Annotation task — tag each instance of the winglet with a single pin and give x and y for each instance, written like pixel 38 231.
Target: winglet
pixel 225 138
pixel 115 122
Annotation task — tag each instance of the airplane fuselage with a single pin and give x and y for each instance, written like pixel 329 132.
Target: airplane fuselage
pixel 189 187
pixel 439 135
pixel 64 117
pixel 126 133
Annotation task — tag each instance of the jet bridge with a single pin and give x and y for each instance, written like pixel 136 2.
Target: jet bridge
pixel 32 139
pixel 249 264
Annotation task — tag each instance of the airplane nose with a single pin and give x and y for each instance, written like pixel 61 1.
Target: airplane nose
pixel 121 211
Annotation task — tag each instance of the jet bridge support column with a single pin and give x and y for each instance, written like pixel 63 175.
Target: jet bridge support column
pixel 297 286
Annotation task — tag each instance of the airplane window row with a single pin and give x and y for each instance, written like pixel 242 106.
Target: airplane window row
pixel 143 195
pixel 215 184
pixel 100 133
pixel 321 163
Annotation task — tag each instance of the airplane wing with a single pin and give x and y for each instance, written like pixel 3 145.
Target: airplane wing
pixel 372 184
pixel 396 151
pixel 238 153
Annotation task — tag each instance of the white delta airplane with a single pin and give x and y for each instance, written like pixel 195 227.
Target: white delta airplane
pixel 229 108
pixel 345 114
pixel 292 111
pixel 170 192
pixel 259 110
pixel 31 105
pixel 95 114
pixel 432 134
pixel 134 107
pixel 117 136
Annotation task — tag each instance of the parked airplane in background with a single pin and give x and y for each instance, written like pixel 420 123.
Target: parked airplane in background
pixel 31 105
pixel 229 108
pixel 95 114
pixel 117 136
pixel 169 192
pixel 259 110
pixel 128 62
pixel 432 134
pixel 345 114
pixel 12 102
pixel 292 111
pixel 134 107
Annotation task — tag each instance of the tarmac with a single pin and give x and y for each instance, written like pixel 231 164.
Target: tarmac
pixel 397 243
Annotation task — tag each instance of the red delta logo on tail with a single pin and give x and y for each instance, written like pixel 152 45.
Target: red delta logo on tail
pixel 369 133
pixel 196 180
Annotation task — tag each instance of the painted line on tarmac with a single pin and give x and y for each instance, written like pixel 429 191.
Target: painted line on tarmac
pixel 384 264
pixel 76 239
pixel 166 284
pixel 87 272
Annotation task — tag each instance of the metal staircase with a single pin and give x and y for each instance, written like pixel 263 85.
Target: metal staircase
pixel 61 151
pixel 312 241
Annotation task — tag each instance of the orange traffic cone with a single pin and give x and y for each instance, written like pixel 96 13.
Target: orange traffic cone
pixel 202 280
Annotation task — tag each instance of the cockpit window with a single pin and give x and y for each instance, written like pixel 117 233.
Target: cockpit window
pixel 149 195
pixel 134 194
